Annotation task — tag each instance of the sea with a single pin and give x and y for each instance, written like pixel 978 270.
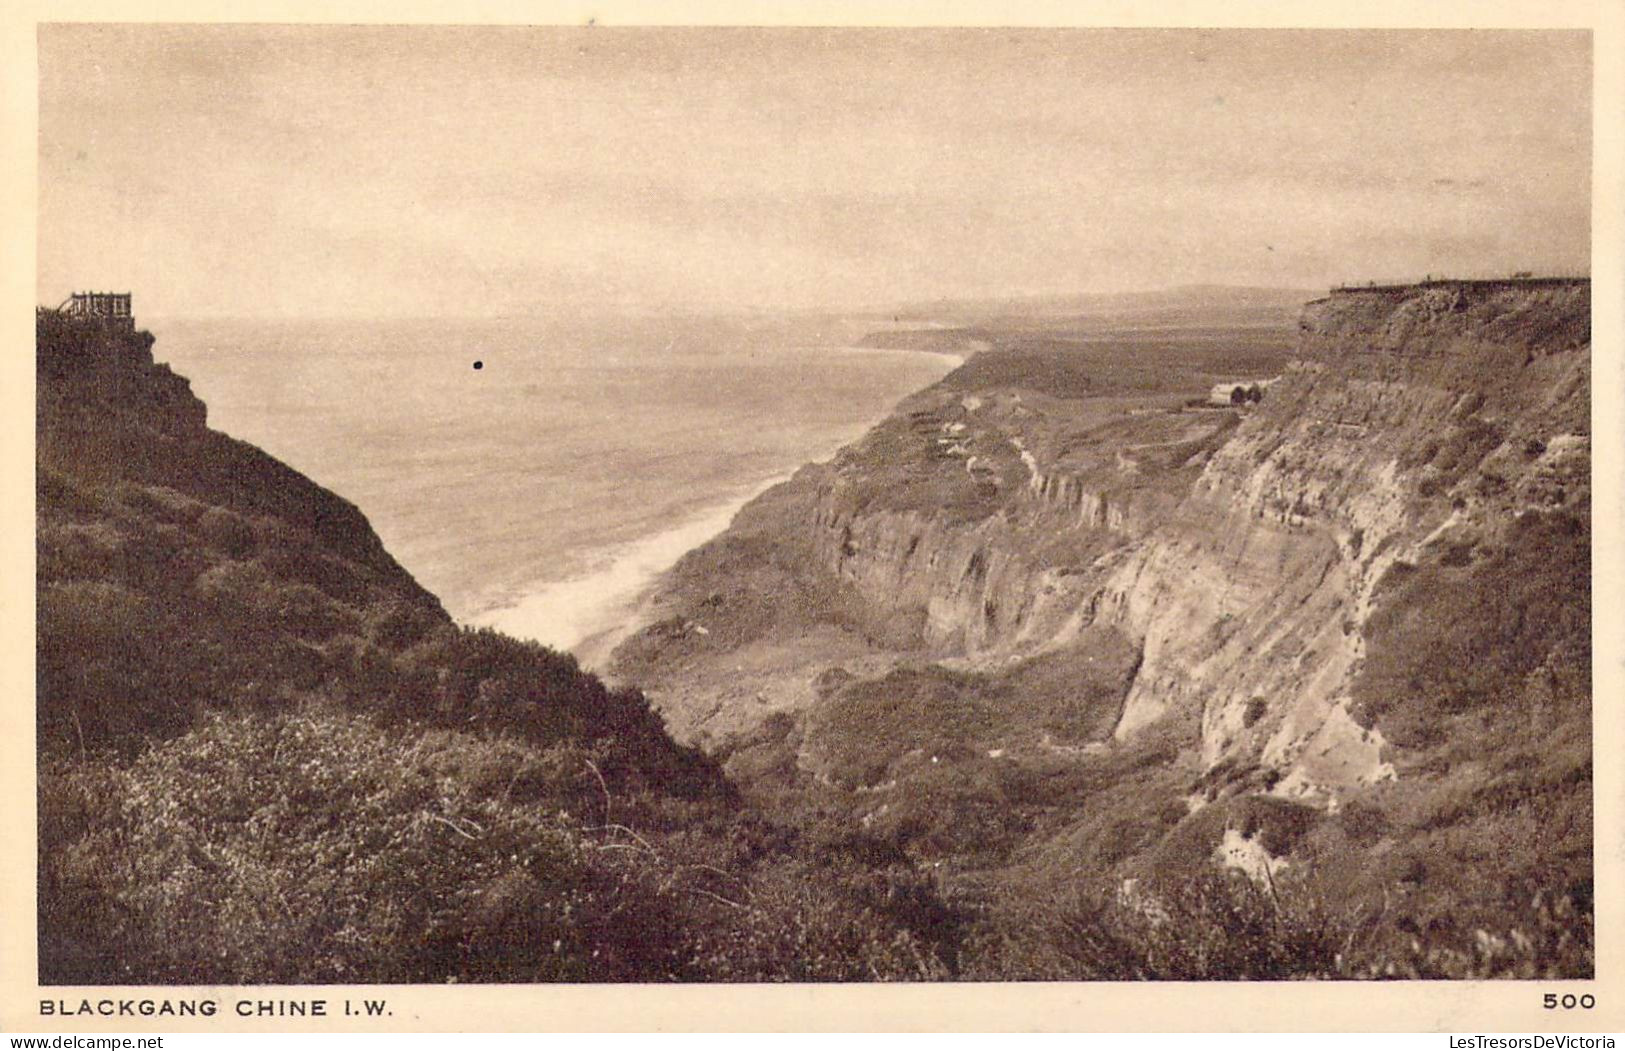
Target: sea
pixel 538 474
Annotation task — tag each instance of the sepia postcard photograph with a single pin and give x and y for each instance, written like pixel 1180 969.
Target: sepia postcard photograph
pixel 577 507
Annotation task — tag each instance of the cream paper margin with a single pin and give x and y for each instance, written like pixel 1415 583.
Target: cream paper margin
pixel 1459 1007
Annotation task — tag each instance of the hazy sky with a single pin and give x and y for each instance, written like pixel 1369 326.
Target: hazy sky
pixel 411 171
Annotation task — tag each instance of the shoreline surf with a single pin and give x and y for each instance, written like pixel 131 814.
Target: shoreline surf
pixel 590 613
pixel 590 607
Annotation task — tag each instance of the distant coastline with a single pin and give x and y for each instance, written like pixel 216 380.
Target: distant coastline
pixel 956 342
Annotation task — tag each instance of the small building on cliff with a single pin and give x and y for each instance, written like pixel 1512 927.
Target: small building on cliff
pixel 1240 392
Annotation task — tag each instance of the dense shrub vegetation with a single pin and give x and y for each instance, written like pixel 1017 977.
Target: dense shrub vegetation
pixel 315 846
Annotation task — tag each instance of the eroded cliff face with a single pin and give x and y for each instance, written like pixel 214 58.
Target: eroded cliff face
pixel 990 539
pixel 1058 624
pixel 1242 552
pixel 1418 426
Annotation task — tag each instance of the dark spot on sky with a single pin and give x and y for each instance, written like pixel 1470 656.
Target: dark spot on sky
pixel 479 365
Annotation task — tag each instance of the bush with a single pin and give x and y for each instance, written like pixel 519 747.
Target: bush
pixel 836 920
pixel 229 533
pixel 1532 609
pixel 1553 938
pixel 310 845
pixel 1210 926
pixel 303 847
pixel 100 679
